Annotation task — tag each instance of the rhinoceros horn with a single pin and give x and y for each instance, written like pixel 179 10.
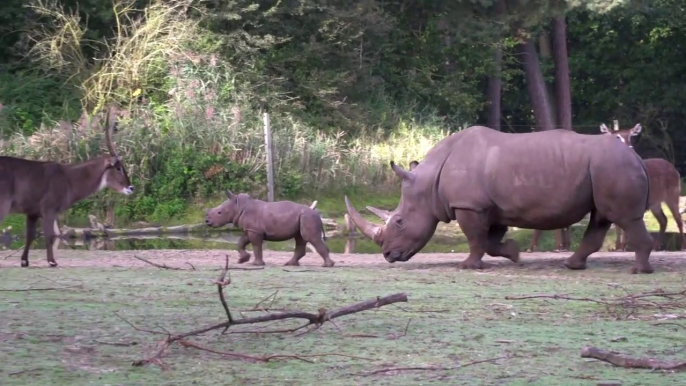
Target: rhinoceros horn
pixel 373 231
pixel 402 173
pixel 383 214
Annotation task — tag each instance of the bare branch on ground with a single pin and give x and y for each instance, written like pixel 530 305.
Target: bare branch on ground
pixel 433 368
pixel 312 320
pixel 620 360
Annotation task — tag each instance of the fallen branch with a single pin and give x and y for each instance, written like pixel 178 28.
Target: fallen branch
pixel 42 289
pixel 434 368
pixel 620 360
pixel 312 319
pixel 162 266
pixel 625 306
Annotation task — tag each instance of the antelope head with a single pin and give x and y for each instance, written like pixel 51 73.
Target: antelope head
pixel 626 135
pixel 115 176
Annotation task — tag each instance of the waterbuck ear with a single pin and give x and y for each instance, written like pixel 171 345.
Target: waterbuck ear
pixel 413 165
pixel 402 173
pixel 229 194
pixel 112 161
pixel 604 129
pixel 636 130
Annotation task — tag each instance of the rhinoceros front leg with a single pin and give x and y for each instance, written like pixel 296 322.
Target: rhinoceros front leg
pixel 590 243
pixel 475 228
pixel 256 241
pixel 243 241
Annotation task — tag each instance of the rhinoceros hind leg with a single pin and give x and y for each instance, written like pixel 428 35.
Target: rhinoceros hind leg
pixel 495 247
pixel 323 251
pixel 640 241
pixel 300 251
pixel 590 243
pixel 243 241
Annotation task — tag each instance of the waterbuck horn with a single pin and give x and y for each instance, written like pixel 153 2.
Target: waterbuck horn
pixel 383 214
pixel 108 133
pixel 402 173
pixel 373 231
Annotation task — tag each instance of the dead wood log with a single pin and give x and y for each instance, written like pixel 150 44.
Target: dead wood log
pixel 620 360
pixel 313 319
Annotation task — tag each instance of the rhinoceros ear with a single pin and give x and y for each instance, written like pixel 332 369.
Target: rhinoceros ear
pixel 402 173
pixel 636 130
pixel 413 165
pixel 604 129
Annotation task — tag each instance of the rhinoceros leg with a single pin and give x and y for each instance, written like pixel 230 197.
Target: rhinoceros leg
pixel 640 241
pixel 243 241
pixel 299 252
pixel 495 247
pixel 256 241
pixel 483 238
pixel 590 243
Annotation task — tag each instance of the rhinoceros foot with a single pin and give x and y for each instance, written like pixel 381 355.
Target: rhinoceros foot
pixel 244 258
pixel 574 263
pixel 512 250
pixel 292 263
pixel 258 263
pixel 328 264
pixel 640 268
pixel 471 263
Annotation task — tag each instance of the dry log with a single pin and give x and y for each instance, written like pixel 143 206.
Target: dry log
pixel 620 360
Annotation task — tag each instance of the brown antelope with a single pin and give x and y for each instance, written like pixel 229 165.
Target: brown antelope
pixel 665 186
pixel 43 189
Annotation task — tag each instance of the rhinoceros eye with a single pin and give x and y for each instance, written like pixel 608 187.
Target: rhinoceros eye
pixel 400 223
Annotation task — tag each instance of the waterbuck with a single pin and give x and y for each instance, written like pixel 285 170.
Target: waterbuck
pixel 43 189
pixel 665 186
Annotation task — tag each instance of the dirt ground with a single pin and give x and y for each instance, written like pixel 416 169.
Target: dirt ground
pixel 661 261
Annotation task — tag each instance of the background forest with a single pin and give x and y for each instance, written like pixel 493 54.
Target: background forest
pixel 348 85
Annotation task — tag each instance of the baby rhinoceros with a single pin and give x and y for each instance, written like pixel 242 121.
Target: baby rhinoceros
pixel 271 221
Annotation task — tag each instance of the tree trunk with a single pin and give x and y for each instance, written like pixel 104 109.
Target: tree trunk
pixel 562 83
pixel 535 85
pixel 495 82
pixel 545 49
pixel 495 85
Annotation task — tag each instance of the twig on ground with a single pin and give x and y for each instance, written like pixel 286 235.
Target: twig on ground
pixel 669 324
pixel 306 270
pixel 42 289
pixel 314 320
pixel 14 252
pixel 160 266
pixel 620 360
pixel 122 344
pixel 434 368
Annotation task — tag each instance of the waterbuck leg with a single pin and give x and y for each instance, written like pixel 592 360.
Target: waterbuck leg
pixel 673 206
pixel 49 234
pixel 640 241
pixel 534 240
pixel 256 241
pixel 559 240
pixel 243 241
pixel 31 222
pixel 299 252
pixel 566 239
pixel 475 228
pixel 590 243
pixel 620 244
pixel 656 210
pixel 495 247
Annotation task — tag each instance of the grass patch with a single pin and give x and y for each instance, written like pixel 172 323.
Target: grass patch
pixel 56 337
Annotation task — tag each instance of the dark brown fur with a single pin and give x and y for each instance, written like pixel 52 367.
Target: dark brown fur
pixel 271 221
pixel 43 189
pixel 665 186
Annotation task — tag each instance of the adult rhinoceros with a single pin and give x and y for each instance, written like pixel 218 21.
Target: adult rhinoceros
pixel 488 180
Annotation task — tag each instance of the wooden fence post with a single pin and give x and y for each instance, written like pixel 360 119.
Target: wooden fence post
pixel 270 159
pixel 615 125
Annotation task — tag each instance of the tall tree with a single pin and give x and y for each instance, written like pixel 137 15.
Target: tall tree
pixel 563 93
pixel 495 81
pixel 535 84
